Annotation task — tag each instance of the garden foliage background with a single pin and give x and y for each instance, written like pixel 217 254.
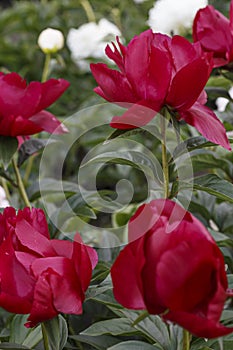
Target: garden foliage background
pixel 104 323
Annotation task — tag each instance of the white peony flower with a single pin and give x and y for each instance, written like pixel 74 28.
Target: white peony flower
pixel 3 201
pixel 51 40
pixel 174 16
pixel 90 40
pixel 222 102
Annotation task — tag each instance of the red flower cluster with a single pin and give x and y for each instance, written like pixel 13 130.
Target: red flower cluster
pixel 22 106
pixel 215 34
pixel 40 276
pixel 157 71
pixel 174 268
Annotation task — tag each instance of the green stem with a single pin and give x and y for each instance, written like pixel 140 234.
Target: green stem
pixel 163 122
pixel 20 184
pixel 28 169
pixel 45 73
pixel 140 318
pixel 186 340
pixel 45 337
pixel 89 10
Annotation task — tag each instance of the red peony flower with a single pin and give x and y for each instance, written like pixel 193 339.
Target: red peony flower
pixel 157 71
pixel 40 276
pixel 215 34
pixel 22 106
pixel 174 268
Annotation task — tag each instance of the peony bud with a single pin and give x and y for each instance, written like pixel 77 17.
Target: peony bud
pixel 51 40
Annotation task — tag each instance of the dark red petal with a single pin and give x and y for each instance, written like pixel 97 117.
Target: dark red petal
pixel 142 61
pixel 212 29
pixel 17 126
pixel 183 52
pixel 84 259
pixel 16 98
pixel 48 122
pixel 136 116
pixel 71 289
pixel 193 284
pixel 197 325
pixel 51 90
pixel 206 122
pixel 32 240
pixel 125 277
pixel 16 283
pixel 115 54
pixel 36 218
pixel 89 250
pixel 61 271
pixel 62 247
pixel 188 84
pixel 113 83
pixel 42 307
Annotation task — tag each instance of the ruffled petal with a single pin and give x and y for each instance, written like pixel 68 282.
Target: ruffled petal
pixel 31 240
pixel 51 90
pixel 142 60
pixel 113 84
pixel 188 84
pixel 136 116
pixel 42 308
pixel 125 269
pixel 61 272
pixel 85 259
pixel 16 293
pixel 36 218
pixel 48 122
pixel 198 325
pixel 206 122
pixel 16 97
pixel 17 126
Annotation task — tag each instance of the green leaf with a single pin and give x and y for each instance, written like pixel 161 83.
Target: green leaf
pixel 230 281
pixel 214 185
pixel 8 147
pixel 50 186
pixel 125 133
pixel 101 342
pixel 191 144
pixel 115 326
pixel 216 91
pixel 134 159
pixel 12 346
pixel 101 271
pixel 33 338
pixel 220 238
pixel 211 161
pixel 86 212
pixel 93 291
pixel 133 345
pixel 57 332
pixel 30 147
pixel 152 327
pixel 18 332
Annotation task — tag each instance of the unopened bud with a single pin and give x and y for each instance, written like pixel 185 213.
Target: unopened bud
pixel 51 40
